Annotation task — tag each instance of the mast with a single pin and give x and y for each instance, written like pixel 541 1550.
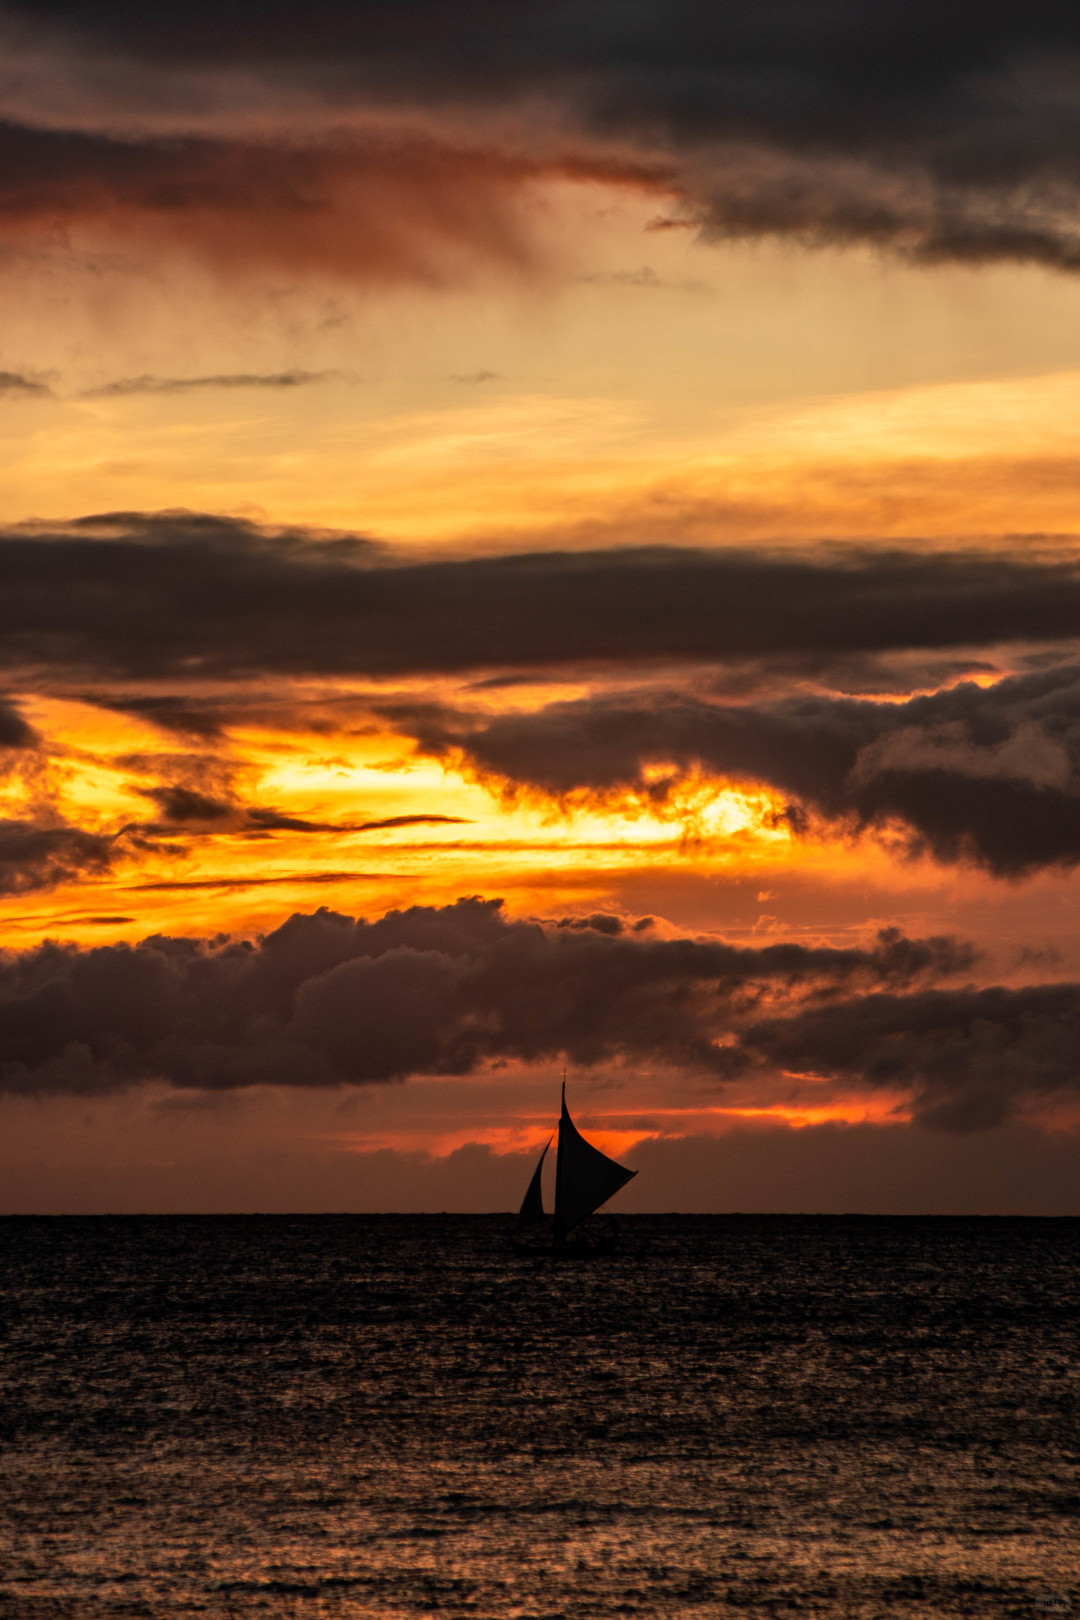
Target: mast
pixel 585 1178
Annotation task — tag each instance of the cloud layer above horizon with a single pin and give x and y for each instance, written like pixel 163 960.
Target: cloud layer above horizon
pixel 937 135
pixel 326 1000
pixel 780 671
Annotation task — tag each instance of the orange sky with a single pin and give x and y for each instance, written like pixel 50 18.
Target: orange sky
pixel 480 355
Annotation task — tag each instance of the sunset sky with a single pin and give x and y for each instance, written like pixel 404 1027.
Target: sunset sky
pixel 540 535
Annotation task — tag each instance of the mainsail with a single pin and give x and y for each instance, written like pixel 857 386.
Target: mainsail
pixel 531 1212
pixel 585 1178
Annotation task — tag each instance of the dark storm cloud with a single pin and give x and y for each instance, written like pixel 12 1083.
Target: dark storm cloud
pixel 984 774
pixel 942 132
pixel 184 595
pixel 968 1056
pixel 325 999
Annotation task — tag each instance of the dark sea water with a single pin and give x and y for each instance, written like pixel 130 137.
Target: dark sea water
pixel 396 1417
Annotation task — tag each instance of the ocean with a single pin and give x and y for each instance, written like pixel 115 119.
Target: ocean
pixel 397 1417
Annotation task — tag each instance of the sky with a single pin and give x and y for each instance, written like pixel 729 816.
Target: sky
pixel 540 536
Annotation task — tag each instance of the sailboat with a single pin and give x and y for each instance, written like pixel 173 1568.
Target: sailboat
pixel 585 1178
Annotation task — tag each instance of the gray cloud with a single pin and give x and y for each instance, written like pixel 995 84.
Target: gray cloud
pixel 325 999
pixel 184 595
pixel 936 133
pixel 969 1057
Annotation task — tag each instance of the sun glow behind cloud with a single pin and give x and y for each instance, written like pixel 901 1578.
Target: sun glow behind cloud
pixel 500 1111
pixel 420 321
pixel 332 801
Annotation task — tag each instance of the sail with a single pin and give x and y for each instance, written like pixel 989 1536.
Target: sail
pixel 585 1178
pixel 531 1212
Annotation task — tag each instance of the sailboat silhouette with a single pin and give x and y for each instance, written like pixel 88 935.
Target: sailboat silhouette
pixel 585 1178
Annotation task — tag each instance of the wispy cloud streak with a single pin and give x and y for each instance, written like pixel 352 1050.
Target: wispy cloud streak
pixel 123 386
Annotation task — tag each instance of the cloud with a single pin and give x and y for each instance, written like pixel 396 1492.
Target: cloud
pixel 967 773
pixel 40 850
pixel 984 774
pixel 937 134
pixel 191 809
pixel 184 595
pixel 15 732
pixel 645 278
pixel 279 880
pixel 269 820
pixel 184 804
pixel 410 821
pixel 380 206
pixel 179 715
pixel 969 1057
pixel 34 857
pixel 990 775
pixel 326 999
pixel 862 674
pixel 17 383
pixel 239 379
